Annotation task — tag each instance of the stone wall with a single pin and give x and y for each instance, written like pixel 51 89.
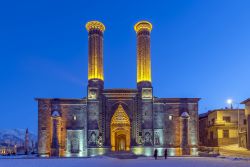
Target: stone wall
pixel 44 127
pixel 168 124
pixel 156 124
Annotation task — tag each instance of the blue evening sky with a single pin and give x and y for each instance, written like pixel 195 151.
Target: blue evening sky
pixel 199 48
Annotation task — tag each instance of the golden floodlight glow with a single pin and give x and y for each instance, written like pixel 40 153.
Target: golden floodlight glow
pixel 95 25
pixel 95 59
pixel 120 130
pixel 143 25
pixel 143 51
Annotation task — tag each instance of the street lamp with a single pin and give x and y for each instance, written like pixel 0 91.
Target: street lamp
pixel 230 102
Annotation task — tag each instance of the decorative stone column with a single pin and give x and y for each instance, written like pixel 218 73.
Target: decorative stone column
pixel 55 142
pixel 184 137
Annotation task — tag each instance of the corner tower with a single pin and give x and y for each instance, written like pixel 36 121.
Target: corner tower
pixel 143 29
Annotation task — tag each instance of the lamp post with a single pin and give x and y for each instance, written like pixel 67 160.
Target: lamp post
pixel 230 102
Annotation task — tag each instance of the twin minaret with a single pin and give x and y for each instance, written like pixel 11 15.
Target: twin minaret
pixel 95 40
pixel 143 29
pixel 95 54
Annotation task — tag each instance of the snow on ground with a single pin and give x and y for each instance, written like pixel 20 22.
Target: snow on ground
pixel 140 162
pixel 234 151
pixel 235 147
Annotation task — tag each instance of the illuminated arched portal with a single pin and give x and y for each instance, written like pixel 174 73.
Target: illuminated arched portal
pixel 120 130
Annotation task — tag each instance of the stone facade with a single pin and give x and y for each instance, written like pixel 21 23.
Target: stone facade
pixel 113 120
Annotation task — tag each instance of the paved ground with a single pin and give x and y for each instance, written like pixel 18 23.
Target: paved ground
pixel 111 162
pixel 234 151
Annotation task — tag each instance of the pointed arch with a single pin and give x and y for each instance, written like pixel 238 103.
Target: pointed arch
pixel 120 116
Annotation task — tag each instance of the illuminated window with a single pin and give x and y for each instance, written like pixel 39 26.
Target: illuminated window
pixel 55 114
pixel 170 117
pixel 74 117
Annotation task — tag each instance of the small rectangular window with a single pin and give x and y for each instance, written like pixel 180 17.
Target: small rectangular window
pixel 245 121
pixel 227 119
pixel 225 133
pixel 170 117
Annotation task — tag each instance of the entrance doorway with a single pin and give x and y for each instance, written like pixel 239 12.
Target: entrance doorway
pixel 121 143
pixel 120 130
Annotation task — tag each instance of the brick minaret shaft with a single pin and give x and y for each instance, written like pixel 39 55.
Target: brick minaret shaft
pixel 144 86
pixel 143 29
pixel 95 83
pixel 95 51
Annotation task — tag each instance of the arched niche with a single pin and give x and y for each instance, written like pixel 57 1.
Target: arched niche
pixel 120 130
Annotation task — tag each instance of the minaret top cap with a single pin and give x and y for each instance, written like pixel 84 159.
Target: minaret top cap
pixel 95 25
pixel 143 25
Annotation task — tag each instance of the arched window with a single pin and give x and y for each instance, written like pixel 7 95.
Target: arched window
pixel 185 115
pixel 55 114
pixel 74 117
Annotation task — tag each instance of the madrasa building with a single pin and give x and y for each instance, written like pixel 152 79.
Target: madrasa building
pixel 117 120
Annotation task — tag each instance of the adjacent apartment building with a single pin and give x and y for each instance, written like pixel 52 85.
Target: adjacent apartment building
pixel 222 127
pixel 247 116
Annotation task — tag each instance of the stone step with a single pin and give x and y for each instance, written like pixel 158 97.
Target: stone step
pixel 122 155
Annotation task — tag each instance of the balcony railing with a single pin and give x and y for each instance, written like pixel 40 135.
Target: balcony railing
pixel 223 123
